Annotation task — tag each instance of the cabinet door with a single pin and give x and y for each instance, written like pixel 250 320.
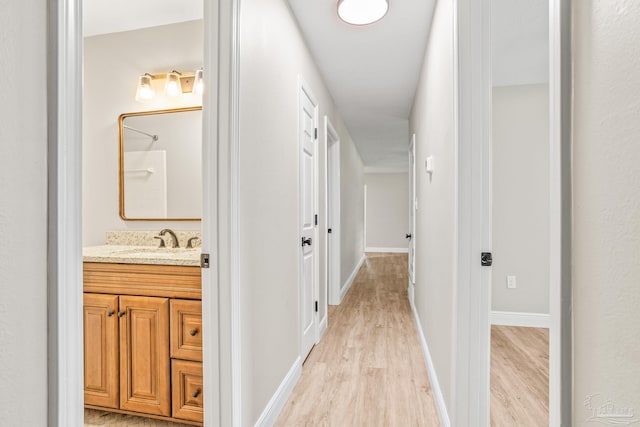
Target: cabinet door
pixel 101 350
pixel 144 355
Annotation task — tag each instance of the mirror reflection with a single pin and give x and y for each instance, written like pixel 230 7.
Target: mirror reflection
pixel 160 165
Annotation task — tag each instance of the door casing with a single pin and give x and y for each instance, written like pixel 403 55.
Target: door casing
pixel 332 192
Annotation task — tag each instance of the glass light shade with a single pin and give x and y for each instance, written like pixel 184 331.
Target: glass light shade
pixel 173 86
pixel 198 83
pixel 144 91
pixel 362 12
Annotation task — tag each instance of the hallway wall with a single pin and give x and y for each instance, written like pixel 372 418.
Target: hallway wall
pixel 387 211
pixel 272 56
pixel 112 64
pixel 23 213
pixel 520 165
pixel 606 200
pixel 432 120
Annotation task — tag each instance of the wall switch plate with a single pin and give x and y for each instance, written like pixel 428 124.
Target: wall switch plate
pixel 511 282
pixel 428 165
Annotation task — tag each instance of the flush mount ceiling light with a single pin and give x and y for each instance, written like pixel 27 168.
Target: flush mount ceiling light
pixel 362 12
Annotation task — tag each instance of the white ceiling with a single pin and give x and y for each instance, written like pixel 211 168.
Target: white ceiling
pixel 113 16
pixel 371 71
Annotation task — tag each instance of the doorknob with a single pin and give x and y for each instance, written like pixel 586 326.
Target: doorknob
pixel 407 236
pixel 306 241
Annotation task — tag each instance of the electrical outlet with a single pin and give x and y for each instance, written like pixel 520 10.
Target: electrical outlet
pixel 511 282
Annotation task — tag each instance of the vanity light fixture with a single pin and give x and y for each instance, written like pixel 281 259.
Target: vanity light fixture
pixel 198 83
pixel 144 91
pixel 176 83
pixel 172 86
pixel 362 12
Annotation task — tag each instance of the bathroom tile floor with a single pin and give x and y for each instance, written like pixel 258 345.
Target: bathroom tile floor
pixel 93 418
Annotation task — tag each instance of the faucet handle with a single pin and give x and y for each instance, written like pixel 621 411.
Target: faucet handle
pixel 190 242
pixel 162 245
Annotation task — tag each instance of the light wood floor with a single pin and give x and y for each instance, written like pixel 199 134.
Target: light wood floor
pixel 368 369
pixel 519 376
pixel 93 418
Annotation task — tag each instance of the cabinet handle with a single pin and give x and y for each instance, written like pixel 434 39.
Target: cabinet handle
pixel 196 393
pixel 193 332
pixel 111 313
pixel 121 313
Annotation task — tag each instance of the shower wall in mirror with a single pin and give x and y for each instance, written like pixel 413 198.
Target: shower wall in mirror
pixel 160 165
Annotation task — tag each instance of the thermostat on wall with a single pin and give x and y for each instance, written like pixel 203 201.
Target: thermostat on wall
pixel 428 165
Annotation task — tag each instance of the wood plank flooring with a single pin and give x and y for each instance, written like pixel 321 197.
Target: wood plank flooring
pixel 519 376
pixel 368 369
pixel 93 418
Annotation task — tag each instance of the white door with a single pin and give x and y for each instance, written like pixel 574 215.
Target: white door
pixel 307 128
pixel 412 207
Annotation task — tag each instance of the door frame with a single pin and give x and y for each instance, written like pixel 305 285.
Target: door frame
pixel 412 217
pixel 64 261
pixel 304 87
pixel 332 196
pixel 472 41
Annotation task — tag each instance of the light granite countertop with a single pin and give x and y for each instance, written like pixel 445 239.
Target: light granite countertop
pixel 121 254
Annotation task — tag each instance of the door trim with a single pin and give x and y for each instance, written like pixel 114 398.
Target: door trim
pixel 64 261
pixel 332 195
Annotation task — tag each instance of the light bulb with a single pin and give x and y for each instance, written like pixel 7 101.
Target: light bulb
pixel 198 83
pixel 173 86
pixel 144 91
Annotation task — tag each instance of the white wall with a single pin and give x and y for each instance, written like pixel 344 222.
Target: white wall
pixel 272 55
pixel 23 214
pixel 521 198
pixel 606 200
pixel 351 209
pixel 387 210
pixel 112 64
pixel 432 120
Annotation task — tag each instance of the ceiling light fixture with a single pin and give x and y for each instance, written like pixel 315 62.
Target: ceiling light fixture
pixel 362 12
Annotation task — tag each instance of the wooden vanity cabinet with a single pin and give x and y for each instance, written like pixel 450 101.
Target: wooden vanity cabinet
pixel 143 353
pixel 101 355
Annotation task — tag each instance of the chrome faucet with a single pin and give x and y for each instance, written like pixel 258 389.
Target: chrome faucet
pixel 190 242
pixel 175 243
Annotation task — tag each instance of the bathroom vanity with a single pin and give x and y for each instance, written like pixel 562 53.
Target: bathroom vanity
pixel 143 332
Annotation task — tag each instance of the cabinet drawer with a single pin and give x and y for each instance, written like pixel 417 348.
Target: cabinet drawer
pixel 186 330
pixel 186 383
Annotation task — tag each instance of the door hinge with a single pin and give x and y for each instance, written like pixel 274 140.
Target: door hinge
pixel 204 260
pixel 486 259
pixel 316 219
pixel 316 306
pixel 316 133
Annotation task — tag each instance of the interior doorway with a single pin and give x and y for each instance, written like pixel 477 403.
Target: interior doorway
pixel 332 167
pixel 521 213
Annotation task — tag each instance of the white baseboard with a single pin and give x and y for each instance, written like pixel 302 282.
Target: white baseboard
pixel 433 377
pixel 529 320
pixel 322 327
pixel 347 285
pixel 279 399
pixel 411 291
pixel 388 250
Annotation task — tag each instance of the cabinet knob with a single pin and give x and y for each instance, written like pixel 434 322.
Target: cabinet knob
pixel 110 313
pixel 193 332
pixel 121 313
pixel 196 393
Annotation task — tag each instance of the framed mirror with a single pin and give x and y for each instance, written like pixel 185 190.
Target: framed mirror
pixel 161 165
